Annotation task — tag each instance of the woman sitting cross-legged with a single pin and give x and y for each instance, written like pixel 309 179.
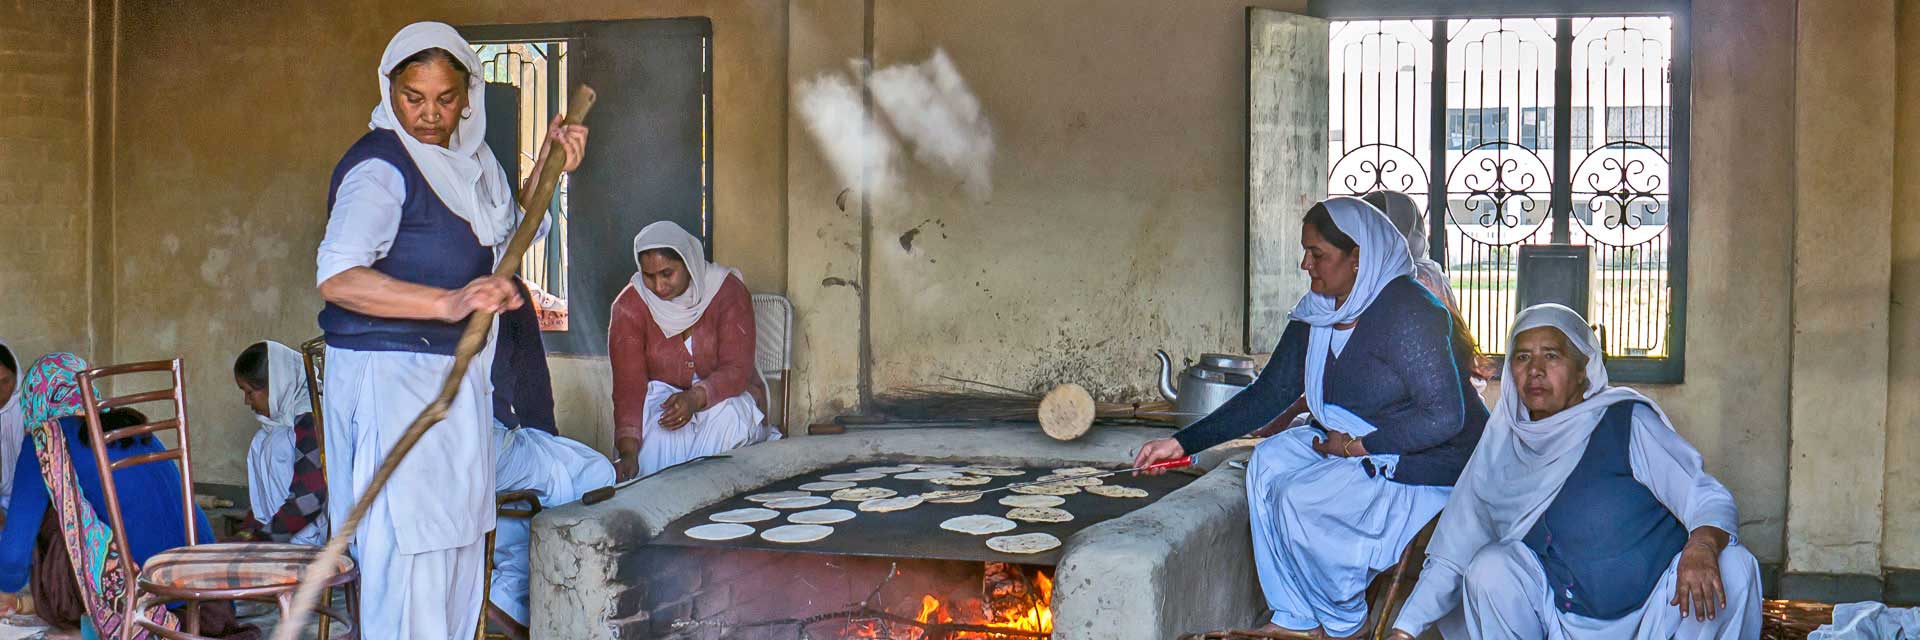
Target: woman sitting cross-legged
pixel 285 484
pixel 1384 369
pixel 682 341
pixel 1582 514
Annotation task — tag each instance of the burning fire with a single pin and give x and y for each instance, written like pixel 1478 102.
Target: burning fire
pixel 1036 618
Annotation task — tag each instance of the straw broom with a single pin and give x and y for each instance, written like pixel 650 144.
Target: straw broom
pixel 313 580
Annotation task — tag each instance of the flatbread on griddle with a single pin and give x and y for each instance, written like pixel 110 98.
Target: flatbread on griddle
pixel 768 497
pixel 995 472
pixel 741 516
pixel 721 531
pixel 821 516
pixel 1048 490
pixel 962 481
pixel 1039 514
pixel 826 486
pixel 978 525
pixel 1117 491
pixel 947 497
pixel 1024 543
pixel 1076 471
pixel 852 477
pixel 1071 481
pixel 929 475
pixel 885 505
pixel 803 502
pixel 796 533
pixel 1032 501
pixel 864 494
pixel 887 470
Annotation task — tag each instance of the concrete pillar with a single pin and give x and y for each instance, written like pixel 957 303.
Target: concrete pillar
pixel 1843 199
pixel 825 237
pixel 1902 552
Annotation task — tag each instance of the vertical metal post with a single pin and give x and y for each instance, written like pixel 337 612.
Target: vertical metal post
pixel 1437 146
pixel 1562 207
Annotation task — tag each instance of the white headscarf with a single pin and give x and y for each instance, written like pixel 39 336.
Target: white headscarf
pixel 704 278
pixel 13 430
pixel 1411 220
pixel 465 173
pixel 1520 464
pixel 1383 257
pixel 271 456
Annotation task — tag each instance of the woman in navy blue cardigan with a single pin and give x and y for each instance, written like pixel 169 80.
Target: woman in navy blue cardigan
pixel 1384 367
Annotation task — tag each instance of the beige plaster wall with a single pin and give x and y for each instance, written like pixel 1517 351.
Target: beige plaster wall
pixel 1903 340
pixel 232 115
pixel 44 177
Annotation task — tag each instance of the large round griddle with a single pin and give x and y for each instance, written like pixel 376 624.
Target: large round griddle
pixel 916 532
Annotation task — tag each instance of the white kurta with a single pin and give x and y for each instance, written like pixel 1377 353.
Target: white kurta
pixel 1322 529
pixel 1505 593
pixel 559 470
pixel 723 426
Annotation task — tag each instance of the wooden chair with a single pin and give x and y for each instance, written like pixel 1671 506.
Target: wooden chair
pixel 1385 596
pixel 523 505
pixel 313 354
pixel 260 571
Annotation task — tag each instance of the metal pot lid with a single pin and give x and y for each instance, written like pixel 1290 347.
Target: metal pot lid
pixel 1226 362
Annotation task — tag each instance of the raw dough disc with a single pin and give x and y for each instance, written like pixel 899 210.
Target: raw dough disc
pixel 1071 481
pixel 1032 501
pixel 1117 491
pixel 887 470
pixel 962 481
pixel 796 533
pixel 803 502
pixel 723 531
pixel 863 494
pixel 928 475
pixel 821 516
pixel 978 525
pixel 1048 490
pixel 738 516
pixel 1024 543
pixel 852 477
pixel 769 497
pixel 1066 412
pixel 826 486
pixel 1039 514
pixel 884 505
pixel 945 497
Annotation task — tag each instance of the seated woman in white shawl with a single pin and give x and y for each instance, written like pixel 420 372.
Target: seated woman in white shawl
pixel 1582 514
pixel 682 343
pixel 286 486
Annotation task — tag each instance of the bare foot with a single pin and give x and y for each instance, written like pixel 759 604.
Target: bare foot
pixel 1277 629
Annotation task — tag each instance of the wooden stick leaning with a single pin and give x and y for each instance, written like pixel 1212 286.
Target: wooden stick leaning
pixel 313 580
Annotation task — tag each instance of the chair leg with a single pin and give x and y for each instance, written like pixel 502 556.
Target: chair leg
pixel 193 617
pixel 326 621
pixel 486 588
pixel 353 609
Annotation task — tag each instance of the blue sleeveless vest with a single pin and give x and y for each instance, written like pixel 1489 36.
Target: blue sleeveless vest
pixel 433 247
pixel 1605 541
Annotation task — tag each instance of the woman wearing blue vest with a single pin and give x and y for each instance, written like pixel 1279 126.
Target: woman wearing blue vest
pixel 1384 369
pixel 1582 514
pixel 419 211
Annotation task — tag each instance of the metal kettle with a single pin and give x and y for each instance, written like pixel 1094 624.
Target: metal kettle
pixel 1205 386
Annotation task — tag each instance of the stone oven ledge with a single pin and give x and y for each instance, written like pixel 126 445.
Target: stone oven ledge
pixel 1181 564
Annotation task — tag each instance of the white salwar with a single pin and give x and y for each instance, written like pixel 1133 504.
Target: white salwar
pixel 1481 581
pixel 13 432
pixel 558 470
pixel 1323 527
pixel 723 426
pixel 271 456
pixel 421 548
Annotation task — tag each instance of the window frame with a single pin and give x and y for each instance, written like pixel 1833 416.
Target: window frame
pixel 1670 369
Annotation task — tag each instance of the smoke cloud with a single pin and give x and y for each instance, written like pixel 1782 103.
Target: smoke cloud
pixel 927 106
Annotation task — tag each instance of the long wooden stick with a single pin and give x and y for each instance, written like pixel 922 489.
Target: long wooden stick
pixel 313 582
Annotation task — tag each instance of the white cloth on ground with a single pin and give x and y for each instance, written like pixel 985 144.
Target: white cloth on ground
pixel 271 455
pixel 1323 528
pixel 1507 596
pixel 1520 465
pixel 13 431
pixel 1869 621
pixel 704 279
pixel 723 426
pixel 441 498
pixel 558 470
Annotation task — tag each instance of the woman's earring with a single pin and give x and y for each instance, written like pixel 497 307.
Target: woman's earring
pixel 466 113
